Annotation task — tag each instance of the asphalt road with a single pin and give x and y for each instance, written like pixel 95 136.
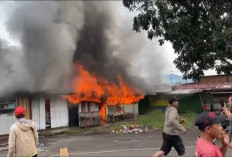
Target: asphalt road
pixel 142 145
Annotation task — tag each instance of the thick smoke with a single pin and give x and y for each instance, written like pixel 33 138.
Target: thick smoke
pixel 14 74
pixel 55 34
pixel 96 49
pixel 48 32
pixel 109 47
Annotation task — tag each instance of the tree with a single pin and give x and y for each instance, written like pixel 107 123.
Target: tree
pixel 199 30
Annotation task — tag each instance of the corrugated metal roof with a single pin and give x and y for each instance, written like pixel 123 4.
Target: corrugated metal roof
pixel 206 86
pixel 185 91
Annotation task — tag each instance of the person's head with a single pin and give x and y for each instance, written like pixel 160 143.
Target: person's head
pixel 230 101
pixel 174 102
pixel 210 124
pixel 19 112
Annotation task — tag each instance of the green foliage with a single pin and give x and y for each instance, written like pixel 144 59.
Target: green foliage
pixel 200 31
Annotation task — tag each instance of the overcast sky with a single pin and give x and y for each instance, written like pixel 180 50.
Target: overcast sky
pixel 151 48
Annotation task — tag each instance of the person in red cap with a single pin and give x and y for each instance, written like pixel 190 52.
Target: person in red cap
pixel 23 136
pixel 210 126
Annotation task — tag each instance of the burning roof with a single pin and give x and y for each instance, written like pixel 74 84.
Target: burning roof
pixel 87 87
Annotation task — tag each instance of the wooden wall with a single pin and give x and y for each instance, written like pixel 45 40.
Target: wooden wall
pixel 26 103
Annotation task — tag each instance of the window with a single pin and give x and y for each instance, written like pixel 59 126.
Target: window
pixel 7 105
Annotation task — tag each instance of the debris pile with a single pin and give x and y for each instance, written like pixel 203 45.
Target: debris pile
pixel 133 129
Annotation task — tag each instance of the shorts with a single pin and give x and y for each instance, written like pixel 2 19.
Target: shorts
pixel 172 140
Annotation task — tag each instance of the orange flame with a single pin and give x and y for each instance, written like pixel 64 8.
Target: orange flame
pixel 88 88
pixel 123 94
pixel 102 111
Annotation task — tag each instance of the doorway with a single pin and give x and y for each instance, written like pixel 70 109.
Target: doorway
pixel 73 115
pixel 47 113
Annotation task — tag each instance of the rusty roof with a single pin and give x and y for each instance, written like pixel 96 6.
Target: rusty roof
pixel 206 86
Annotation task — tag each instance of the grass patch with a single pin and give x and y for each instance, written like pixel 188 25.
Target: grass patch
pixel 190 119
pixel 153 120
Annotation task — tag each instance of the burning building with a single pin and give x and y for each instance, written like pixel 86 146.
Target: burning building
pixel 54 35
pixel 97 100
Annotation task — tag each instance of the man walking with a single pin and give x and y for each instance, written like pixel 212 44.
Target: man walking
pixel 172 130
pixel 23 136
pixel 209 125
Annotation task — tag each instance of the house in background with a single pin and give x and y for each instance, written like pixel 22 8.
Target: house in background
pixel 211 89
pixel 189 100
pixel 193 96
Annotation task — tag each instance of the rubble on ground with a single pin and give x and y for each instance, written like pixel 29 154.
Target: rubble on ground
pixel 133 129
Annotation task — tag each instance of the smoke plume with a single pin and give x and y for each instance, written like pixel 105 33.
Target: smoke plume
pixel 109 47
pixel 56 34
pixel 48 32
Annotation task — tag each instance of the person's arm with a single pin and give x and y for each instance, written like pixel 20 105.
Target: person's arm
pixel 173 122
pixel 223 150
pixel 225 143
pixel 11 142
pixel 227 112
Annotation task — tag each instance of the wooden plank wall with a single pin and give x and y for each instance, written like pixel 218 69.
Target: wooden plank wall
pixel 26 103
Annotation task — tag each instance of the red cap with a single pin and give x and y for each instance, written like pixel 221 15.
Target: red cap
pixel 19 110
